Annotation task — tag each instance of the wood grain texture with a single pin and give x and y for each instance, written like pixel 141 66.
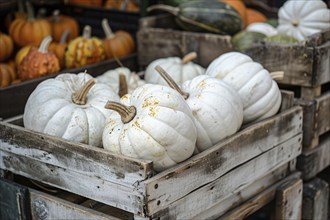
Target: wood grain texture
pixel 45 206
pixel 252 205
pixel 315 200
pixel 303 64
pixel 289 200
pixel 211 164
pixel 158 37
pixel 312 162
pixel 236 200
pixel 208 194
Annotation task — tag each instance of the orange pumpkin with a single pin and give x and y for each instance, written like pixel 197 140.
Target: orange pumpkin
pixel 20 13
pixel 97 3
pixel 38 62
pixel 117 44
pixel 6 45
pixel 240 8
pixel 84 50
pixel 123 5
pixel 253 16
pixel 59 48
pixel 30 31
pixel 62 23
pixel 7 75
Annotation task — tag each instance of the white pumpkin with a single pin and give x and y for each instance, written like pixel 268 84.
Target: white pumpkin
pixel 263 28
pixel 111 78
pixel 303 18
pixel 259 93
pixel 179 69
pixel 156 124
pixel 70 106
pixel 216 107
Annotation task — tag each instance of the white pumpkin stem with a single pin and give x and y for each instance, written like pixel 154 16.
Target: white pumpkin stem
pixel 107 29
pixel 30 11
pixel 189 57
pixel 87 32
pixel 43 48
pixel 127 113
pixel 80 97
pixel 171 82
pixel 123 89
pixel 277 76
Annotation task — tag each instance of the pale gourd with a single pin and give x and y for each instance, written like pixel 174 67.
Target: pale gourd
pixel 179 69
pixel 263 28
pixel 259 93
pixel 153 123
pixel 111 78
pixel 70 106
pixel 302 18
pixel 216 107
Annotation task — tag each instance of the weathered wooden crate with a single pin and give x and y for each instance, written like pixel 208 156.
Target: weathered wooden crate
pixel 306 72
pixel 14 97
pixel 158 36
pixel 208 184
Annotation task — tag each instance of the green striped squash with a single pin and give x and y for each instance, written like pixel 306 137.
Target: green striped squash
pixel 205 16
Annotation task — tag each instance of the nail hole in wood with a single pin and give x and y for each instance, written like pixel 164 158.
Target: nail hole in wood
pixel 158 202
pixel 156 186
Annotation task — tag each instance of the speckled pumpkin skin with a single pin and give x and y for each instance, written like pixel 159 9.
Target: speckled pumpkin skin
pixel 37 64
pixel 82 51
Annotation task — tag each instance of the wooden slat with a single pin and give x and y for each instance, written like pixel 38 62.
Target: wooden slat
pixel 315 200
pixel 209 165
pixel 157 43
pixel 44 206
pixel 322 63
pixel 207 195
pixel 252 205
pixel 287 100
pixel 323 113
pixel 87 185
pixel 236 199
pixel 289 200
pixel 77 157
pixel 314 161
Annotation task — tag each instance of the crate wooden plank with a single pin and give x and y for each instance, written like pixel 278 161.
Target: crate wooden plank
pixel 235 199
pixel 206 195
pixel 304 64
pixel 315 200
pixel 13 98
pixel 174 184
pixel 289 200
pixel 252 205
pixel 157 42
pixel 316 119
pixel 313 161
pixel 45 206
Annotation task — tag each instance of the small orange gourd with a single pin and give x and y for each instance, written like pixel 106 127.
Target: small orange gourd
pixel 117 44
pixel 84 50
pixel 7 75
pixel 62 23
pixel 38 62
pixel 6 47
pixel 30 31
pixel 59 48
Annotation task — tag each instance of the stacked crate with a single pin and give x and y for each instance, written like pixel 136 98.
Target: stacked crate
pixel 306 72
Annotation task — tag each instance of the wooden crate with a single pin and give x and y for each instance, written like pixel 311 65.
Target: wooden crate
pixel 315 199
pixel 263 152
pixel 306 72
pixel 158 36
pixel 14 97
